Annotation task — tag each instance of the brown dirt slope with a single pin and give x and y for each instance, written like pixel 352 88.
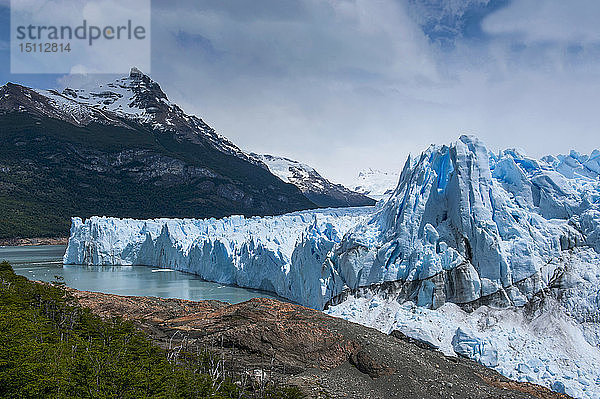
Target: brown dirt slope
pixel 326 357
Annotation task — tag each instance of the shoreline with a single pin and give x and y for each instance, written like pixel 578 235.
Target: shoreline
pixel 28 242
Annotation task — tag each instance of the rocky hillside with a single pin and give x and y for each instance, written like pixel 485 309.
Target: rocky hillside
pixel 122 149
pixel 324 356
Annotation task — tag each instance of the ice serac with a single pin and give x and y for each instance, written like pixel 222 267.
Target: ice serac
pixel 287 255
pixel 465 225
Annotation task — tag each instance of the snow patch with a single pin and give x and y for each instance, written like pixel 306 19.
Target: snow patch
pixel 375 183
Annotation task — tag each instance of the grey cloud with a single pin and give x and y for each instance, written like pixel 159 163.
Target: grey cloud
pixel 239 10
pixel 330 37
pixel 574 21
pixel 345 85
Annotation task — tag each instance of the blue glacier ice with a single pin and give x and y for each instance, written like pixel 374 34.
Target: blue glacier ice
pixel 463 224
pixel 488 231
pixel 482 223
pixel 480 349
pixel 286 255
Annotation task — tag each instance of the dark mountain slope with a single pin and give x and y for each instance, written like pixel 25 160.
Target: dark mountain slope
pixel 324 356
pixel 64 155
pixel 314 186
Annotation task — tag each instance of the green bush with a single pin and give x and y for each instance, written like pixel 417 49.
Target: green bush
pixel 5 266
pixel 50 348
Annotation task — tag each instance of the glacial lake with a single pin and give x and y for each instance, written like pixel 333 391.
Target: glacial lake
pixel 44 262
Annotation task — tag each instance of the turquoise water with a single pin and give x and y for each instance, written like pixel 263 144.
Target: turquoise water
pixel 44 262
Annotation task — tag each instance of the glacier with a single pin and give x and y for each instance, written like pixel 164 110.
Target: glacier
pixel 285 255
pixel 491 255
pixel 468 226
pixel 463 226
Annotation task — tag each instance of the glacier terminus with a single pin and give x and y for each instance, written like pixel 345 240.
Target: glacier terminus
pixel 478 253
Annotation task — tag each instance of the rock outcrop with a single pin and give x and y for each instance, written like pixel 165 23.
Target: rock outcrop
pixel 326 357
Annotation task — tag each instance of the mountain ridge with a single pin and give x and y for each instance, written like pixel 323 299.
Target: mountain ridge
pixel 315 187
pixel 124 150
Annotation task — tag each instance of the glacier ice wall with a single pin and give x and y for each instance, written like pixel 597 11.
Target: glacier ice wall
pixel 287 254
pixel 463 225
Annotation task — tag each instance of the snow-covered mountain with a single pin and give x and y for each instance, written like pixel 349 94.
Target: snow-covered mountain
pixel 138 98
pixel 375 183
pixel 135 97
pixel 121 149
pixel 314 186
pixel 464 230
pixel 138 101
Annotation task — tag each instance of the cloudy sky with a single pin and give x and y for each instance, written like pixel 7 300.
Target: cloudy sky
pixel 349 84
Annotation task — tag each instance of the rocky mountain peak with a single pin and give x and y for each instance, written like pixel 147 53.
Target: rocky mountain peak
pixel 148 94
pixel 132 98
pixel 135 73
pixel 129 94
